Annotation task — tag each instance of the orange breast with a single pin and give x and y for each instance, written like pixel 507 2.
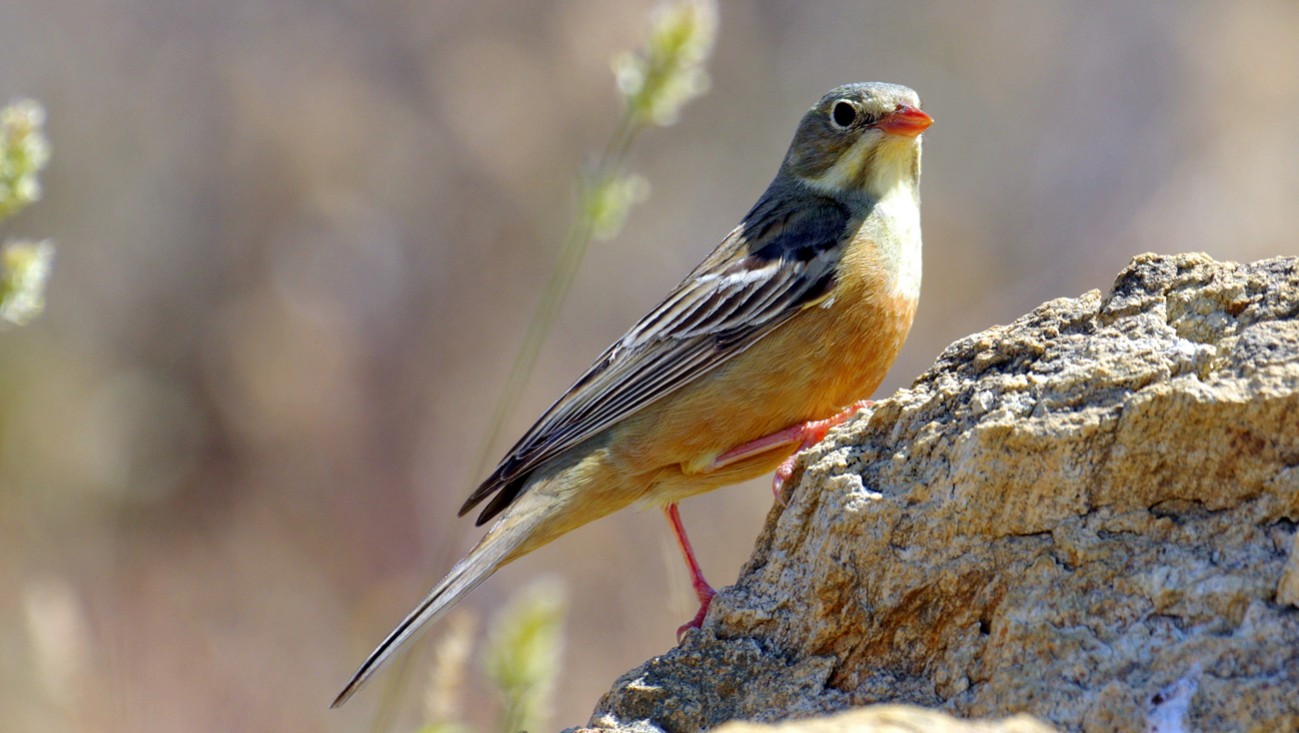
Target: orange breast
pixel 825 358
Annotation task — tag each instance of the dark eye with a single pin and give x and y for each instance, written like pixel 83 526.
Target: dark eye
pixel 843 114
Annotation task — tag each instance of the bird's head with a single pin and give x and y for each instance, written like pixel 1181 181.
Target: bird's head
pixel 859 139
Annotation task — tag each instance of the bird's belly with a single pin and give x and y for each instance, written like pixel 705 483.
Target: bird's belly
pixel 808 369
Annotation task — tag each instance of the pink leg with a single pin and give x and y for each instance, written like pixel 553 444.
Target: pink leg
pixel 702 588
pixel 761 445
pixel 805 434
pixel 812 433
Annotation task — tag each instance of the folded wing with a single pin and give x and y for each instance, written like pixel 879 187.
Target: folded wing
pixel 780 260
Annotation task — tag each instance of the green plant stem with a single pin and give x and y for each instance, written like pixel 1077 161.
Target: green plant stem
pixel 570 259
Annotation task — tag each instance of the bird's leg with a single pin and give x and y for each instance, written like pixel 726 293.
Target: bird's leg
pixel 813 432
pixel 702 588
pixel 805 434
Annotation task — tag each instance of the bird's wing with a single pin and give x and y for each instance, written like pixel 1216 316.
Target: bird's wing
pixel 780 260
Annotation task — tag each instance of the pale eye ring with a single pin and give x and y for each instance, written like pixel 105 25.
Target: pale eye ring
pixel 843 114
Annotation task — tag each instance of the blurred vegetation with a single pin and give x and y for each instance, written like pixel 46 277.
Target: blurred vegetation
pixel 654 84
pixel 523 655
pixel 24 265
pixel 521 660
pixel 523 650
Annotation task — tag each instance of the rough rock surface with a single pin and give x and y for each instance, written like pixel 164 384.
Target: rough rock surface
pixel 1069 516
pixel 891 719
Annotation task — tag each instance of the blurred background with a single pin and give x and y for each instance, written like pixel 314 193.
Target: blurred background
pixel 299 242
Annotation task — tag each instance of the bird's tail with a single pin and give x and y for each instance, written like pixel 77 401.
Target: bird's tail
pixel 467 574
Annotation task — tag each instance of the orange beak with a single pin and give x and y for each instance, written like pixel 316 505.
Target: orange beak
pixel 906 121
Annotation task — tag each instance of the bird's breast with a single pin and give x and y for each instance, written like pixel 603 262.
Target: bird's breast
pixel 809 368
pixel 886 249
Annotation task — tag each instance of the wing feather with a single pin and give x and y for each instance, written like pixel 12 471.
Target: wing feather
pixel 743 291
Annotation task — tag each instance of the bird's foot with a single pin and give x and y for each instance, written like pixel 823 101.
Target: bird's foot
pixel 703 590
pixel 805 435
pixel 705 600
pixel 810 433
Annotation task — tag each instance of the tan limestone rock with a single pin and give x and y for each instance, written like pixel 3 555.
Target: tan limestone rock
pixel 1067 516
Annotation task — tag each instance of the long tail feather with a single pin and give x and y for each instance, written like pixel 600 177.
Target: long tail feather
pixel 476 567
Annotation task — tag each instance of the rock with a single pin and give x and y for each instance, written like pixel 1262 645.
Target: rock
pixel 891 719
pixel 1068 516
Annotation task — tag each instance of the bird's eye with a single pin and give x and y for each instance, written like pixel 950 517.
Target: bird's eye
pixel 843 114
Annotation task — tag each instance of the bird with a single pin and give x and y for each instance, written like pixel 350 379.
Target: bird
pixel 775 337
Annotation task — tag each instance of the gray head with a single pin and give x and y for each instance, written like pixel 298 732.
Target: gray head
pixel 860 138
